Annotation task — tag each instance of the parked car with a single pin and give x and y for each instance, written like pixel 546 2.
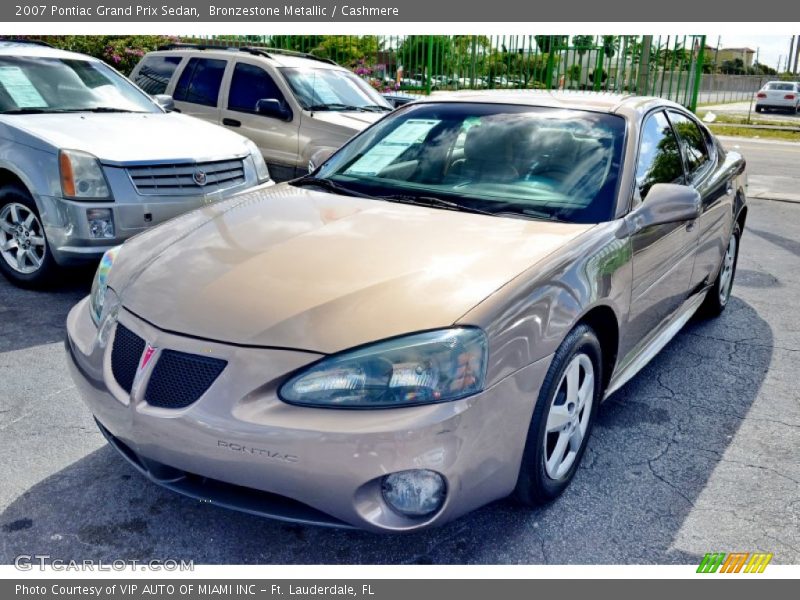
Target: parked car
pixel 87 160
pixel 290 104
pixel 399 99
pixel 779 95
pixel 426 323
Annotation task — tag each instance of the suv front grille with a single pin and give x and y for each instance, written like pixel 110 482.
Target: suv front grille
pixel 125 356
pixel 182 179
pixel 179 379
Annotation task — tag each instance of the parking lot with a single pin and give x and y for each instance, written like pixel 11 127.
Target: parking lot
pixel 697 453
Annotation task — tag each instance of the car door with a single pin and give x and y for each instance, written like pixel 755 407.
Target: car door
pixel 662 255
pixel 276 138
pixel 197 89
pixel 715 186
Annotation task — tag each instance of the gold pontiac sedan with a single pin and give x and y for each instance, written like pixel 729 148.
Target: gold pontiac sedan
pixel 426 323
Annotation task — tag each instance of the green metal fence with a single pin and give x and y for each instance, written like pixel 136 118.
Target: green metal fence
pixel 666 66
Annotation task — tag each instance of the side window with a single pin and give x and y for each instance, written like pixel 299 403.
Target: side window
pixel 200 81
pixel 155 72
pixel 659 156
pixel 249 85
pixel 693 143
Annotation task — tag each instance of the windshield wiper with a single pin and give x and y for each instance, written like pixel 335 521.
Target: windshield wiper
pixel 102 109
pixel 434 202
pixel 29 111
pixel 329 185
pixel 343 107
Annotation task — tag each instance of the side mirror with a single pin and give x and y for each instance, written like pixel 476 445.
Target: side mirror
pixel 271 107
pixel 165 101
pixel 667 203
pixel 318 157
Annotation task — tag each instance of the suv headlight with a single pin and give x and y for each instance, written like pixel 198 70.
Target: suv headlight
pixel 424 368
pixel 99 297
pixel 82 177
pixel 262 172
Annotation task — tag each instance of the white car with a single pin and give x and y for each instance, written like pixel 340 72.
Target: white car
pixel 87 160
pixel 779 95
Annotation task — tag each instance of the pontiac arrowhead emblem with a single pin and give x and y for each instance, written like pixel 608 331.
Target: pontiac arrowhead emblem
pixel 148 354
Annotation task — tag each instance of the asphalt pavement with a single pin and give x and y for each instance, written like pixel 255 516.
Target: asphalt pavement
pixel 698 453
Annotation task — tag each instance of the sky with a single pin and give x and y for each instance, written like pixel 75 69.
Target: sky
pixel 771 47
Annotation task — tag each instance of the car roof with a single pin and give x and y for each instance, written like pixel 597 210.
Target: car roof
pixel 40 50
pixel 276 56
pixel 594 101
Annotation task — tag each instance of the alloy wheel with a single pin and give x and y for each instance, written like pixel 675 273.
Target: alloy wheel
pixel 726 275
pixel 569 416
pixel 22 240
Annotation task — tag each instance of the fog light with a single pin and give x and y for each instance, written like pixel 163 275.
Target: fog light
pixel 416 493
pixel 101 222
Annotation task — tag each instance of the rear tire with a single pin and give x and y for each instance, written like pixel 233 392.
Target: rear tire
pixel 718 295
pixel 562 419
pixel 25 257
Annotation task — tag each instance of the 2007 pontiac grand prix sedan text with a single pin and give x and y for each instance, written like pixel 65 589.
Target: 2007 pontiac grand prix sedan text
pixel 426 323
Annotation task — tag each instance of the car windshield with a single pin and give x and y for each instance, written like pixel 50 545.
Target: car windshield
pixel 332 89
pixel 537 162
pixel 49 85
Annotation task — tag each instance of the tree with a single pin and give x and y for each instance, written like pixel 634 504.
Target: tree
pixel 413 54
pixel 548 43
pixel 582 43
pixel 610 45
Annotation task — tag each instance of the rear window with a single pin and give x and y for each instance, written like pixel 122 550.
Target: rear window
pixel 155 72
pixel 200 81
pixel 782 87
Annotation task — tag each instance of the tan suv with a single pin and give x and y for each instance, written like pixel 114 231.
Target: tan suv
pixel 292 105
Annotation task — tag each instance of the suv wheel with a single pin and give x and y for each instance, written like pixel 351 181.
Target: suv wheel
pixel 25 256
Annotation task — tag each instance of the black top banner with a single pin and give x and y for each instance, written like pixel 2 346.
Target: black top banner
pixel 401 11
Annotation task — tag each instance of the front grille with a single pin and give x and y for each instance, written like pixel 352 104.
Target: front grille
pixel 125 355
pixel 179 378
pixel 179 179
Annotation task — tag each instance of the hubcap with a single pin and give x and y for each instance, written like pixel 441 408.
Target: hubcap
pixel 568 419
pixel 726 275
pixel 22 241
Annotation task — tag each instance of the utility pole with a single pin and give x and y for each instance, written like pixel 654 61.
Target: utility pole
pixel 791 51
pixel 796 54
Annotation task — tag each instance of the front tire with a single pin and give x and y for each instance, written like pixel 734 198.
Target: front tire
pixel 562 419
pixel 25 256
pixel 718 295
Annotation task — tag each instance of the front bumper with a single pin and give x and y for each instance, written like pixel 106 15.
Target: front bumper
pixel 239 446
pixel 67 226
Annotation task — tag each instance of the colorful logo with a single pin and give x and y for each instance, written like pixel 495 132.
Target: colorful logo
pixel 734 562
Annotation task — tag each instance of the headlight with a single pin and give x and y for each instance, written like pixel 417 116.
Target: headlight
pixel 424 368
pixel 100 291
pixel 82 176
pixel 262 172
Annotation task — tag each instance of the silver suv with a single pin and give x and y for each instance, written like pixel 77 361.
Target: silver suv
pixel 297 108
pixel 87 160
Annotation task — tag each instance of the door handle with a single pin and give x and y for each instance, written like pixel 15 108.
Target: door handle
pixel 231 122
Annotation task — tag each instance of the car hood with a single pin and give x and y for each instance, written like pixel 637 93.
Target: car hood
pixel 119 138
pixel 354 121
pixel 295 268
